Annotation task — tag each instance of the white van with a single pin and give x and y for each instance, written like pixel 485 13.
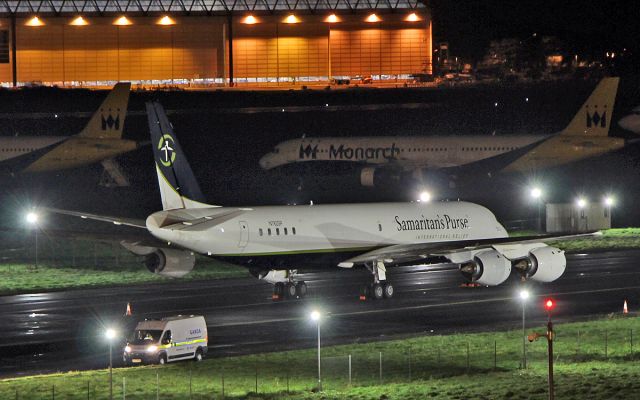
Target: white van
pixel 167 340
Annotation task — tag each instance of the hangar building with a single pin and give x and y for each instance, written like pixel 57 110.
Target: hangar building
pixel 211 42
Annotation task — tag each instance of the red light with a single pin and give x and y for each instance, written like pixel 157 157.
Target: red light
pixel 549 304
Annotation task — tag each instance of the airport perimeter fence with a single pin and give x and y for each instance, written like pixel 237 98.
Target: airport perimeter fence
pixel 414 360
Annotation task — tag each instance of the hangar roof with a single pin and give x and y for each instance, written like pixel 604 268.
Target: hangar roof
pixel 198 7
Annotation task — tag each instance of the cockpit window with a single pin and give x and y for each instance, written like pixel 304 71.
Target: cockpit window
pixel 144 336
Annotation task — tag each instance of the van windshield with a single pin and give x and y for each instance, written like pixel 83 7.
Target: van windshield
pixel 146 336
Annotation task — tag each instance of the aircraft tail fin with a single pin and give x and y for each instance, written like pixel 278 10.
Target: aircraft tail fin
pixel 178 186
pixel 594 117
pixel 108 121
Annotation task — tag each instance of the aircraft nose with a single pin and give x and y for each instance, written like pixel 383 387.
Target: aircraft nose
pixel 630 123
pixel 266 162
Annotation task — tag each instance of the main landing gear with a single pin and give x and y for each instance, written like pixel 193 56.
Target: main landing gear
pixel 286 287
pixel 380 288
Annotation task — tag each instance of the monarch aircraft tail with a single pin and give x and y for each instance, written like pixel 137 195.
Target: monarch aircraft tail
pixel 108 121
pixel 178 186
pixel 587 135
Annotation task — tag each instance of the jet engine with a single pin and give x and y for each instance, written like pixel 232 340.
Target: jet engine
pixel 488 267
pixel 170 262
pixel 367 176
pixel 544 264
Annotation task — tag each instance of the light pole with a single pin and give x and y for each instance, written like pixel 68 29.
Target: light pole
pixel 536 195
pixel 582 203
pixel 32 219
pixel 608 202
pixel 524 295
pixel 315 316
pixel 110 334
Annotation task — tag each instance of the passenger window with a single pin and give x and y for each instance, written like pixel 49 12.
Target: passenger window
pixel 285 231
pixel 380 227
pixel 293 230
pixel 260 230
pixel 269 231
pixel 278 231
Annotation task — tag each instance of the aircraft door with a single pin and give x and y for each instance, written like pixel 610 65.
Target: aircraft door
pixel 244 234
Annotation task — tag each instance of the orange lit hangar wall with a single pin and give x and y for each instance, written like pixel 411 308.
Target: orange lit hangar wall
pixel 100 52
pixel 319 47
pixel 210 42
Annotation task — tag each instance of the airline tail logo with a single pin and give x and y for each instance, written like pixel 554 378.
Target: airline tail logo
pixel 110 123
pixel 166 148
pixel 308 152
pixel 596 119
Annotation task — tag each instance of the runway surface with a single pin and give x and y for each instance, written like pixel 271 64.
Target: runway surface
pixel 65 330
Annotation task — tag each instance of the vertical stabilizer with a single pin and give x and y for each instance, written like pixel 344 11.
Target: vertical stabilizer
pixel 108 121
pixel 594 117
pixel 178 185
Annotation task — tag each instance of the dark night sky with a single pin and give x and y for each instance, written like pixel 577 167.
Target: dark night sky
pixel 587 26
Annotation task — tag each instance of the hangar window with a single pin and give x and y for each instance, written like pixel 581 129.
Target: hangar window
pixel 4 47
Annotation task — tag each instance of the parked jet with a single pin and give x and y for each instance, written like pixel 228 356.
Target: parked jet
pixel 276 241
pixel 99 141
pixel 585 136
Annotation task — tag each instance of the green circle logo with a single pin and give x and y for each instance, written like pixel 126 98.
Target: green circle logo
pixel 167 153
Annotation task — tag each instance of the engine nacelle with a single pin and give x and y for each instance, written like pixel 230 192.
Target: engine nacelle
pixel 545 264
pixel 170 262
pixel 488 267
pixel 367 176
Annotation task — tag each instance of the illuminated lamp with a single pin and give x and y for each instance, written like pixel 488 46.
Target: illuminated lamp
pixel 123 21
pixel 291 19
pixel 35 21
pixel 166 21
pixel 549 305
pixel 413 17
pixel 79 21
pixel 373 18
pixel 332 19
pixel 249 20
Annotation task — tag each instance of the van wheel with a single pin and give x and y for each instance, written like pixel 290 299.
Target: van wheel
pixel 162 360
pixel 198 356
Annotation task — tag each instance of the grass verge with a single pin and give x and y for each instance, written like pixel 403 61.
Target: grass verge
pixel 593 359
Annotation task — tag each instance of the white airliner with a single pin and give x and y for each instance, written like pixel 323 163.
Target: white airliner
pixel 631 122
pixel 585 136
pixel 276 241
pixel 99 141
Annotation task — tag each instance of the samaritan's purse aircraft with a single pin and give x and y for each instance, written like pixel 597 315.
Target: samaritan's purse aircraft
pixel 585 136
pixel 275 241
pixel 99 141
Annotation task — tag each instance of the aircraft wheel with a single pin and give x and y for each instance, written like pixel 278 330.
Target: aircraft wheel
pixel 377 291
pixel 301 289
pixel 290 290
pixel 388 290
pixel 278 291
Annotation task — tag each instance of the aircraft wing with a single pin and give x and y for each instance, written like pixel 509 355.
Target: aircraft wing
pixel 406 253
pixel 135 223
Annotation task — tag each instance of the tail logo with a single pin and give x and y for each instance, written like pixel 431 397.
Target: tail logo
pixel 596 119
pixel 168 155
pixel 110 122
